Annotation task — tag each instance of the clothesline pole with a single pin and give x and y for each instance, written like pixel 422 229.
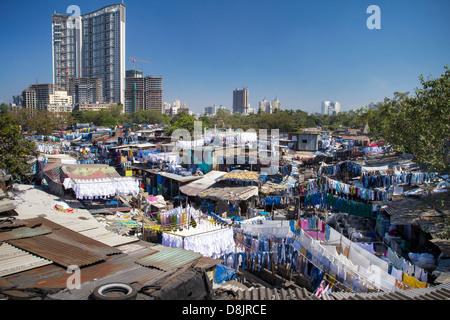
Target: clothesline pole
pixel 235 257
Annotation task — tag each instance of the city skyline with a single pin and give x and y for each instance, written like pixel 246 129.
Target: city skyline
pixel 302 52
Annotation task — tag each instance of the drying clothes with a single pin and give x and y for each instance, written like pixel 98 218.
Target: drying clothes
pixel 424 276
pixel 178 217
pixel 413 282
pixel 397 273
pixel 104 187
pixel 410 269
pixel 362 193
pixel 351 207
pixel 395 260
pixel 405 266
pixel 366 246
pixel 316 277
pixel 206 238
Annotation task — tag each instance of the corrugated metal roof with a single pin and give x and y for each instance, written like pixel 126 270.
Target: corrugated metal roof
pixel 10 223
pixel 64 246
pixel 78 237
pixel 13 260
pixel 5 203
pixel 195 187
pixel 264 293
pixel 109 238
pixel 169 259
pixel 55 249
pixel 23 232
pixel 440 292
pixel 93 229
pixel 54 276
pixel 131 274
pixel 207 262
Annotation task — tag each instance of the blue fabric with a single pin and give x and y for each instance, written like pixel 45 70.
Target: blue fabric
pixel 316 277
pixel 223 273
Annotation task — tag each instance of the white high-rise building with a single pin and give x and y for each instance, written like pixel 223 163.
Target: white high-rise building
pixel 269 106
pixel 59 101
pixel 91 45
pixel 330 107
pixel 265 106
pixel 276 105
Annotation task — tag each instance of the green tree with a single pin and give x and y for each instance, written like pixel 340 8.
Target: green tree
pixel 418 124
pixel 181 121
pixel 15 150
pixel 110 122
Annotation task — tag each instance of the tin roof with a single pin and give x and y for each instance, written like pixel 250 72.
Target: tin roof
pixel 64 246
pixel 440 292
pixel 23 232
pixel 169 258
pixel 13 260
pixel 265 293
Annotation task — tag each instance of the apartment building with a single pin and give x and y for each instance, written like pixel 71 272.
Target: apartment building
pixel 91 45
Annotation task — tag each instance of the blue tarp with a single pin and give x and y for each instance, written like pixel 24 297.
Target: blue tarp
pixel 224 273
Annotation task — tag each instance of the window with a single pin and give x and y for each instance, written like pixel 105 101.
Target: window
pixel 304 141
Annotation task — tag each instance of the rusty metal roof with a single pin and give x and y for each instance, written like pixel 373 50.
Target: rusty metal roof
pixel 64 246
pixel 169 258
pixel 54 276
pixel 23 232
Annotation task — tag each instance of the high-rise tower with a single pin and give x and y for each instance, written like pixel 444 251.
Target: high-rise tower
pixel 240 101
pixel 91 45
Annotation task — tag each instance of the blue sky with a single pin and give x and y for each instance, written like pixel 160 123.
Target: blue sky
pixel 301 52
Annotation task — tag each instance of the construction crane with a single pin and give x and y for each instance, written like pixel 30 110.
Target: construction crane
pixel 134 60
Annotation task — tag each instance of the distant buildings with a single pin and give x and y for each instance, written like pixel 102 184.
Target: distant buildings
pixel 93 106
pixel 330 107
pixel 212 110
pixel 36 97
pixel 29 100
pixel 276 105
pixel 269 106
pixel 240 101
pixel 374 106
pixel 153 93
pixel 46 97
pixel 85 90
pixel 184 108
pixel 142 93
pixel 43 92
pixel 60 101
pixel 91 45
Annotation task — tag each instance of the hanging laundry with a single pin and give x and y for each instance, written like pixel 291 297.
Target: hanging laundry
pixel 413 282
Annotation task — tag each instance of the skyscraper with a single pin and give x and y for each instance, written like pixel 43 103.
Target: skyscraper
pixel 91 45
pixel 43 92
pixel 240 101
pixel 265 106
pixel 85 90
pixel 331 107
pixel 153 93
pixel 134 91
pixel 142 93
pixel 276 105
pixel 269 106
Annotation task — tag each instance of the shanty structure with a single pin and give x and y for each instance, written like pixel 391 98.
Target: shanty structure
pixel 88 180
